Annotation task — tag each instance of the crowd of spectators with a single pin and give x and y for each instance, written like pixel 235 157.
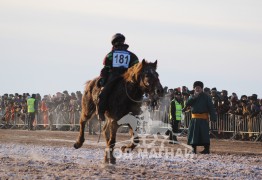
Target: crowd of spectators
pixel 65 108
pixel 227 106
pixel 52 111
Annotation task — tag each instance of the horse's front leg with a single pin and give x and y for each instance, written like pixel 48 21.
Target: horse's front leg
pixel 111 142
pixel 83 120
pixel 81 137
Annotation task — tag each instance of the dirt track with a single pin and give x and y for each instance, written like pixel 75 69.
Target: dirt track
pixel 50 155
pixel 67 138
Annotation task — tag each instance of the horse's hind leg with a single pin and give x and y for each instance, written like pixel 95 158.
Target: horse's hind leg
pixel 106 133
pixel 111 129
pixel 135 141
pixel 83 120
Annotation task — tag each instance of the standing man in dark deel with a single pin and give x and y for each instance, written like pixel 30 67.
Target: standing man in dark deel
pixel 202 110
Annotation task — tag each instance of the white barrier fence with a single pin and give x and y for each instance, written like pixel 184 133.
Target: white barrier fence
pixel 226 124
pixel 55 120
pixel 230 124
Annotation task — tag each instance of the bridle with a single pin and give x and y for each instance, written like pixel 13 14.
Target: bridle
pixel 153 74
pixel 146 87
pixel 136 101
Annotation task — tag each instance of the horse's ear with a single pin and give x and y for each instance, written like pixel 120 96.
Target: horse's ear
pixel 155 64
pixel 143 62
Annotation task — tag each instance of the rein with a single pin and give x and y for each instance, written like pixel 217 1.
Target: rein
pixel 130 97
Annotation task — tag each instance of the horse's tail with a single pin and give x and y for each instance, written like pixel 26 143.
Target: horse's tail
pixel 87 95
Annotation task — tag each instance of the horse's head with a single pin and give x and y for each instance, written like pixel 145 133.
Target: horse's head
pixel 145 76
pixel 149 80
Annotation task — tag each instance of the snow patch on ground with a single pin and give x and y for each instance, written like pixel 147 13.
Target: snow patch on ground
pixel 16 158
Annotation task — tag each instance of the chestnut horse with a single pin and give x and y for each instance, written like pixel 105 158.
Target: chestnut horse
pixel 125 96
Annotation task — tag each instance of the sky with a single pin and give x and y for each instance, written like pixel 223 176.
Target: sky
pixel 48 46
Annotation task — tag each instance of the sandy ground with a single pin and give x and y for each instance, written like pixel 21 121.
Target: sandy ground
pixel 50 155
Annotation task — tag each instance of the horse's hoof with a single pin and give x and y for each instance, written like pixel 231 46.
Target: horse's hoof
pixel 126 149
pixel 112 161
pixel 106 160
pixel 77 145
pixel 123 149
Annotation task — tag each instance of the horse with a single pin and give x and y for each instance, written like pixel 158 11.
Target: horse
pixel 125 97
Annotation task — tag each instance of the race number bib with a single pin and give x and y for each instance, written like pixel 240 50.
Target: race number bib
pixel 121 59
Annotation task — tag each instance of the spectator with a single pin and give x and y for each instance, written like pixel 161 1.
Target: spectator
pixel 31 109
pixel 44 110
pixel 244 113
pixel 215 98
pixel 185 98
pixel 207 91
pixel 260 104
pixel 243 97
pixel 233 103
pixel 73 111
pixel 224 104
pixel 222 109
pixel 254 110
pixel 201 106
pixel 175 116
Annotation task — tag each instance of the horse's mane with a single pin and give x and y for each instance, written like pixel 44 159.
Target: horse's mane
pixel 132 74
